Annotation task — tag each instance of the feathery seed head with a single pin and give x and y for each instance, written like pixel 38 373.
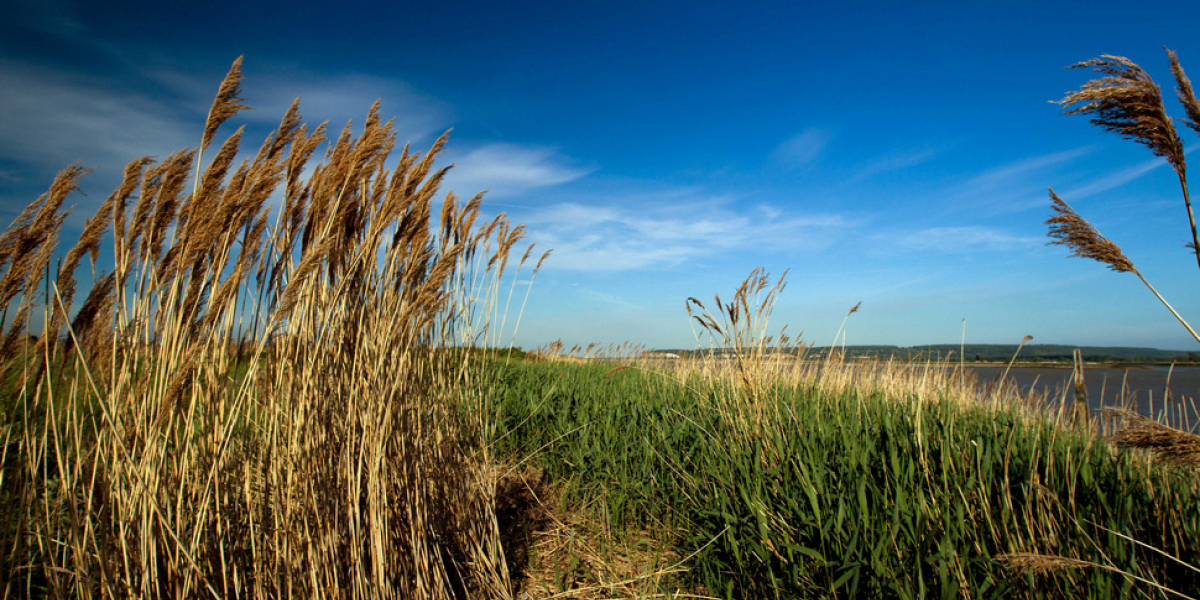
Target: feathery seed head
pixel 542 259
pixel 1069 229
pixel 1183 91
pixel 1038 564
pixel 227 103
pixel 1129 103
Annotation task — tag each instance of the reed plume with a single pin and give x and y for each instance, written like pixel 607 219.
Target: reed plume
pixel 227 103
pixel 1128 102
pixel 26 249
pixel 1167 443
pixel 739 329
pixel 1068 228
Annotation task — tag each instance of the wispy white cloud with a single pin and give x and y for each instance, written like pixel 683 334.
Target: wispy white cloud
pixel 336 98
pixel 347 97
pixel 53 119
pixel 1004 175
pixel 621 237
pixel 770 212
pixel 1114 180
pixel 595 252
pixel 803 148
pixel 56 117
pixel 898 161
pixel 607 298
pixel 1014 186
pixel 971 238
pixel 509 169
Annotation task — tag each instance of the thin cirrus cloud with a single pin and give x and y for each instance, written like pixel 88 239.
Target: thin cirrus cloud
pixel 607 298
pixel 802 149
pixel 335 99
pixel 51 17
pixel 1114 180
pixel 509 169
pixel 346 98
pixel 899 161
pixel 1018 171
pixel 971 238
pixel 613 237
pixel 1014 186
pixel 54 118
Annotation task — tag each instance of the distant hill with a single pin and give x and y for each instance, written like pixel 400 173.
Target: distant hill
pixel 1004 352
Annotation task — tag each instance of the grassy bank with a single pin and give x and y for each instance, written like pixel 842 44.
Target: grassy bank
pixel 849 493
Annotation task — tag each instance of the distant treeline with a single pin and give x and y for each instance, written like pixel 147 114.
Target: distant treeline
pixel 1000 352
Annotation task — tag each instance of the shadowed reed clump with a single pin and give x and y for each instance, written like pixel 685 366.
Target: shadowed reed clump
pixel 257 400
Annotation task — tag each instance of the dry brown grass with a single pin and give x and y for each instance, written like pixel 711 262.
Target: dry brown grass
pixel 746 353
pixel 740 328
pixel 1167 443
pixel 254 406
pixel 580 558
pixel 575 559
pixel 558 551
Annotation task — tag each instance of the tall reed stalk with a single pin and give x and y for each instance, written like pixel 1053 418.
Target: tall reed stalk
pixel 1128 102
pixel 739 330
pixel 260 399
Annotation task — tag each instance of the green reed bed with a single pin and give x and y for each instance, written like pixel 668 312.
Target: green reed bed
pixel 848 494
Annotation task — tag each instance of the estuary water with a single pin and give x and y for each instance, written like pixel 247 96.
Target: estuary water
pixel 1144 389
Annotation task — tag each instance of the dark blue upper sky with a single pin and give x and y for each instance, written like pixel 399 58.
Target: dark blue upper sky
pixel 894 153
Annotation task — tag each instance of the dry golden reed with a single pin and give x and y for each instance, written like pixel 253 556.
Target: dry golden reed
pixel 1167 443
pixel 255 402
pixel 1069 229
pixel 1127 101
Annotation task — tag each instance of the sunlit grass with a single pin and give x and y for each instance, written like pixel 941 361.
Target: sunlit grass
pixel 788 477
pixel 850 492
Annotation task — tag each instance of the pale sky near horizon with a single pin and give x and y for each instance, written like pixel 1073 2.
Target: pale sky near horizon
pixel 896 154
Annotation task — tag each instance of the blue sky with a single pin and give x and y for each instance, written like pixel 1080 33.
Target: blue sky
pixel 896 154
